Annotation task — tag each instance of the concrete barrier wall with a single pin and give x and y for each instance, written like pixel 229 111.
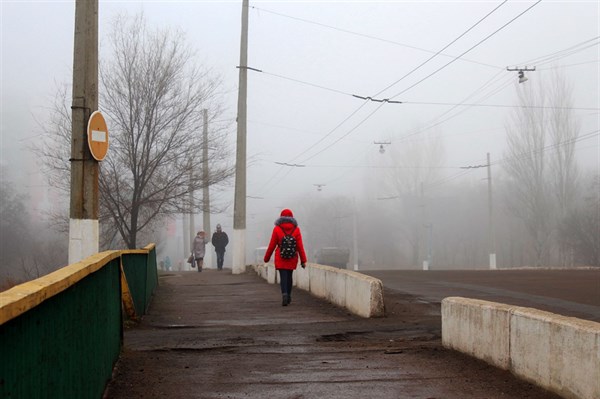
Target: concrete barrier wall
pixel 561 354
pixel 360 294
pixel 477 328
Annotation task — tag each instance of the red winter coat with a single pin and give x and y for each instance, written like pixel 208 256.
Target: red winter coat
pixel 286 223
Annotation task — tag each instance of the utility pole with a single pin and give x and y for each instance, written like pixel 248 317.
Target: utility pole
pixel 239 206
pixel 355 238
pixel 426 261
pixel 492 235
pixel 205 190
pixel 185 222
pixel 192 230
pixel 83 215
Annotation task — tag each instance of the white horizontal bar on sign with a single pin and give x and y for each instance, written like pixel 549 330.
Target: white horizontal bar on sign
pixel 99 135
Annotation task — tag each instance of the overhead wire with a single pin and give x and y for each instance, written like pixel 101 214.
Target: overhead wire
pixel 521 156
pixel 503 106
pixel 263 187
pixel 368 36
pixel 466 51
pixel 557 55
pixel 439 52
pixel 434 122
pixel 412 71
pixel 533 152
pixel 431 74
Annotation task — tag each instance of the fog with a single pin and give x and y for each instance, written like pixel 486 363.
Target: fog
pixel 414 198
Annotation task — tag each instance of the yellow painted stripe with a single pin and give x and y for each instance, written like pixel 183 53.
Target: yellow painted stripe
pixel 23 297
pixel 126 297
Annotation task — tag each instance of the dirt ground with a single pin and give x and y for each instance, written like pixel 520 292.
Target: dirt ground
pixel 218 335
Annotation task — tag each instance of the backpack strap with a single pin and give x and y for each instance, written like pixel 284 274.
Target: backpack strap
pixel 294 229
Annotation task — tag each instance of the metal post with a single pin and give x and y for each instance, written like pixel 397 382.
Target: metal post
pixel 239 207
pixel 83 223
pixel 492 236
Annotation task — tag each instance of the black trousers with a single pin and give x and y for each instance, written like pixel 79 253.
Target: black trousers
pixel 286 281
pixel 220 257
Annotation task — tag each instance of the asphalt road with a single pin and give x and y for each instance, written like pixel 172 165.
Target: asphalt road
pixel 573 293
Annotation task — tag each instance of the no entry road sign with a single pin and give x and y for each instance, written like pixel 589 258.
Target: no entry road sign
pixel 97 136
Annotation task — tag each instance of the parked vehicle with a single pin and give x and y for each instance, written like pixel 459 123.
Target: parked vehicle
pixel 333 256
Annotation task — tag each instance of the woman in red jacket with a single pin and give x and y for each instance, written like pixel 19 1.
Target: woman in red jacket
pixel 286 237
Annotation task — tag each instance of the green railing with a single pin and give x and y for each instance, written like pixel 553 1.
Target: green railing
pixel 61 334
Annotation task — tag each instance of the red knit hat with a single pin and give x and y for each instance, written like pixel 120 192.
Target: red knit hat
pixel 287 212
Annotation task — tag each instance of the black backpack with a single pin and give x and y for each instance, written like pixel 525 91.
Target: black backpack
pixel 287 247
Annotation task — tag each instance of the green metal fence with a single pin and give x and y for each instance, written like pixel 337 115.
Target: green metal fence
pixel 60 335
pixel 142 276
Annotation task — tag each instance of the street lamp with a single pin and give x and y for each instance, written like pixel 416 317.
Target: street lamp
pixel 381 145
pixel 521 72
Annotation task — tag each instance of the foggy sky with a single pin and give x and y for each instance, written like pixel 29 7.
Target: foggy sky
pixel 285 118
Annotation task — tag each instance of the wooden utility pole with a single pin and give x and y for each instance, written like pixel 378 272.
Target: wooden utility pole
pixel 205 191
pixel 239 207
pixel 83 223
pixel 492 235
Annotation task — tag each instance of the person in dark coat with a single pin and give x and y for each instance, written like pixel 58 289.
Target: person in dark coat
pixel 220 241
pixel 286 225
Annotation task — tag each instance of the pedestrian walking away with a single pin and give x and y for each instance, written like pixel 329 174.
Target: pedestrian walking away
pixel 199 248
pixel 220 241
pixel 286 242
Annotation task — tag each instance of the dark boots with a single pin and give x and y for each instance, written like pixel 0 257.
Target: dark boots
pixel 285 300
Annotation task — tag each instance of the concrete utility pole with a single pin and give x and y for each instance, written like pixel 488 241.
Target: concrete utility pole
pixel 205 191
pixel 185 222
pixel 423 224
pixel 492 235
pixel 355 235
pixel 192 227
pixel 83 219
pixel 239 207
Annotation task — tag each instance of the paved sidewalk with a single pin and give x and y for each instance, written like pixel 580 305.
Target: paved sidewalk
pixel 218 335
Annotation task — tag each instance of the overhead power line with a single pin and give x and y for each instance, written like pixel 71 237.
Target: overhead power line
pixel 467 51
pixel 530 154
pixel 502 105
pixel 439 69
pixel 379 107
pixel 576 48
pixel 524 155
pixel 442 49
pixel 507 82
pixel 548 59
pixel 369 36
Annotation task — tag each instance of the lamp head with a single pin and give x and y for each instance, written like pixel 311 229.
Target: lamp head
pixel 522 77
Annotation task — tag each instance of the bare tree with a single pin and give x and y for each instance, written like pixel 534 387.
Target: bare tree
pixel 540 161
pixel 152 94
pixel 564 130
pixel 414 162
pixel 15 233
pixel 580 228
